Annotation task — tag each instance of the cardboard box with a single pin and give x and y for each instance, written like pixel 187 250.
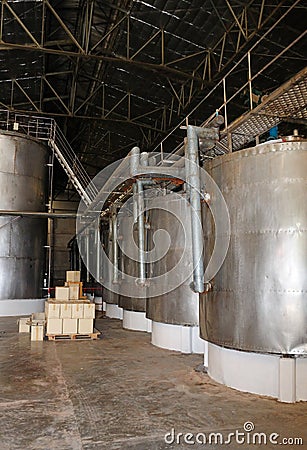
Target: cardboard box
pixel 65 311
pixel 38 316
pixel 52 310
pixel 77 310
pixel 74 283
pixel 70 326
pixel 73 275
pixel 37 332
pixel 62 293
pixel 54 326
pixel 89 311
pixel 74 291
pixel 22 325
pixel 85 326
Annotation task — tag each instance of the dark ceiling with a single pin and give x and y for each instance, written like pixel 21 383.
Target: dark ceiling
pixel 125 72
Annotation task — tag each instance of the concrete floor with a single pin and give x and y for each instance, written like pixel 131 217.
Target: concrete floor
pixel 120 392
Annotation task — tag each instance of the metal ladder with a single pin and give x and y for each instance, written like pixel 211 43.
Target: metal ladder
pixel 45 129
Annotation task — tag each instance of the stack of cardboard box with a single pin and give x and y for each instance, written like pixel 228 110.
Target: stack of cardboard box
pixel 71 317
pixel 70 312
pixel 34 325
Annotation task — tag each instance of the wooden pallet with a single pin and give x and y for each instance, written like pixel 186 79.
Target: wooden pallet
pixel 59 337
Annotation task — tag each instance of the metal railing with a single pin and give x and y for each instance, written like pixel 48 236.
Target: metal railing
pixel 221 90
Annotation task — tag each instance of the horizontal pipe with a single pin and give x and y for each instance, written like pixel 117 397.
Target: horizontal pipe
pixel 38 214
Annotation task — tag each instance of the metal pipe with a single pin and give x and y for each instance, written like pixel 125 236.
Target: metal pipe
pixel 144 159
pixel 134 160
pixel 98 250
pixel 38 215
pixel 193 179
pixel 115 246
pixel 87 244
pixel 135 204
pixel 141 230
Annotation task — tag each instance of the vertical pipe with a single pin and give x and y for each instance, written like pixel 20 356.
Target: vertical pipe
pixel 141 230
pixel 193 178
pixel 80 259
pixel 144 159
pixel 135 204
pixel 134 160
pixel 87 243
pixel 50 222
pixel 250 80
pixel 225 102
pixel 98 250
pixel 115 247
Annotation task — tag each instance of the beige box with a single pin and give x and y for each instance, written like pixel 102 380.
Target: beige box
pixel 85 326
pixel 62 293
pixel 77 310
pixel 70 326
pixel 22 325
pixel 52 310
pixel 37 332
pixel 73 275
pixel 54 326
pixel 89 311
pixel 38 316
pixel 74 292
pixel 65 311
pixel 76 283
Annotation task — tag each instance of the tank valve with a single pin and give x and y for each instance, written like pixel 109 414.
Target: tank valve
pixel 143 283
pixel 206 197
pixel 208 287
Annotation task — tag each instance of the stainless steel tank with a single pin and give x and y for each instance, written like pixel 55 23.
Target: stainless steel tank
pixel 129 266
pixel 258 302
pixel 22 188
pixel 109 297
pixel 180 305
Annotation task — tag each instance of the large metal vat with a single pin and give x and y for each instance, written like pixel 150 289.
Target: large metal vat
pixel 110 298
pixel 179 306
pixel 175 314
pixel 22 239
pixel 129 266
pixel 258 300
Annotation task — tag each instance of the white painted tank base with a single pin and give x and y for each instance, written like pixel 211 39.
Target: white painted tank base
pixel 21 307
pixel 114 311
pixel 272 375
pixel 135 320
pixel 183 339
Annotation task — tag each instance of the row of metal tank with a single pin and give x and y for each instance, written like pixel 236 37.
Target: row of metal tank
pixel 172 316
pixel 257 300
pixel 256 307
pixel 254 315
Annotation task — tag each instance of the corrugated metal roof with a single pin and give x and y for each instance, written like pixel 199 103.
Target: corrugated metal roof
pixel 120 73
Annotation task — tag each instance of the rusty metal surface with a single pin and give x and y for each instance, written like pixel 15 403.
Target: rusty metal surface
pixel 22 239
